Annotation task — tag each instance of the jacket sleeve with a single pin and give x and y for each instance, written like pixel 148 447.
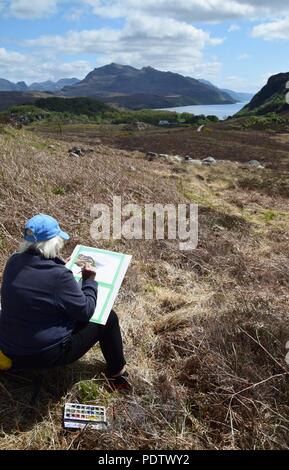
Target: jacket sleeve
pixel 76 302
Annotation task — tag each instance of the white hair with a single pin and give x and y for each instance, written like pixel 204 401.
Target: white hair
pixel 49 249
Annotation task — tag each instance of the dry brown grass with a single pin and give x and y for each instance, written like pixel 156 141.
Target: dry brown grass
pixel 204 331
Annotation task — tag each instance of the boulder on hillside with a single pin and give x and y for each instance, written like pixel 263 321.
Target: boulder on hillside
pixel 151 156
pixel 210 161
pixel 195 162
pixel 255 164
pixel 74 155
pixel 170 158
pixel 132 169
pixel 77 151
pixel 192 161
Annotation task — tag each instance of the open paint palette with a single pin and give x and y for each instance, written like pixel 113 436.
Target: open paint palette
pixel 79 416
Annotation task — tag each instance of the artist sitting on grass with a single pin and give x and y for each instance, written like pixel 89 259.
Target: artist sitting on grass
pixel 45 314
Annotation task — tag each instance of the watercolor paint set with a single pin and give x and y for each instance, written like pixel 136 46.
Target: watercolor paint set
pixel 79 416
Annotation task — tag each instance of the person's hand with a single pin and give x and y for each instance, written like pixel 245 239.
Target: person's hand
pixel 88 272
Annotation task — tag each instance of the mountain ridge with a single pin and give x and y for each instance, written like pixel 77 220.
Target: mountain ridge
pixel 127 86
pixel 6 85
pixel 116 83
pixel 270 99
pixel 46 86
pixel 53 86
pixel 236 95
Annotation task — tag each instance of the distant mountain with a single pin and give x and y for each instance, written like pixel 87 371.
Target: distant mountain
pixel 272 98
pixel 53 86
pixel 239 97
pixel 147 87
pixel 49 86
pixel 5 85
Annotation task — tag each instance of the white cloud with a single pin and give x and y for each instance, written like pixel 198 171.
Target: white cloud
pixel 57 70
pixel 183 10
pixel 30 9
pixel 18 67
pixel 11 58
pixel 233 28
pixel 190 10
pixel 164 43
pixel 147 27
pixel 265 76
pixel 75 14
pixel 245 84
pixel 278 29
pixel 240 84
pixel 159 33
pixel 78 42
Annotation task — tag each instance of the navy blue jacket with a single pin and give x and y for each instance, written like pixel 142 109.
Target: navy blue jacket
pixel 41 304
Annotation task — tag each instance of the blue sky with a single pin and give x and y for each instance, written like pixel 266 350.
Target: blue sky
pixel 236 44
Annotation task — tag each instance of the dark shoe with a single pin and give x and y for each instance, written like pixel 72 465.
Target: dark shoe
pixel 118 384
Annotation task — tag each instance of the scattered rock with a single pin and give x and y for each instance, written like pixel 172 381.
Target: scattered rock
pixel 209 161
pixel 218 228
pixel 255 164
pixel 141 126
pixel 132 169
pixel 194 162
pixel 24 119
pixel 51 147
pixel 151 156
pixel 75 155
pixel 77 151
pixel 170 158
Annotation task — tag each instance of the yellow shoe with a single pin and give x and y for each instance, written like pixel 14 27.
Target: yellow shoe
pixel 5 362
